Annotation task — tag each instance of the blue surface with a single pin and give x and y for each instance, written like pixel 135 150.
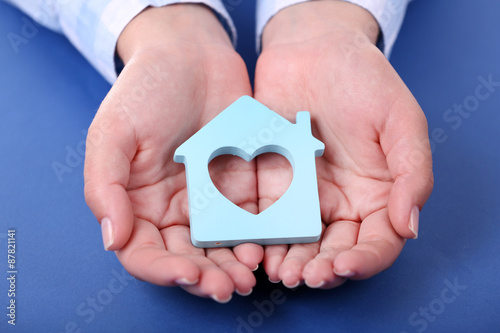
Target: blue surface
pixel 48 97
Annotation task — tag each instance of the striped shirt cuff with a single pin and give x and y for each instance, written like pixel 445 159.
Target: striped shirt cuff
pixel 388 13
pixel 93 26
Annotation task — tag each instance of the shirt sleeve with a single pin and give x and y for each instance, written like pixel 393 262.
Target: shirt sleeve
pixel 93 26
pixel 388 13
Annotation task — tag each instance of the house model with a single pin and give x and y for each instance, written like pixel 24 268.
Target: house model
pixel 246 129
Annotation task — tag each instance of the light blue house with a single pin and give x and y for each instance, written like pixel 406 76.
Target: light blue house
pixel 246 129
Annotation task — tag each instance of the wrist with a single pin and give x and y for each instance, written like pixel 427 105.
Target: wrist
pixel 315 19
pixel 165 30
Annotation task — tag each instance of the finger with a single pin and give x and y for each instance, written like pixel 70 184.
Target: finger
pixel 273 257
pixel 249 254
pixel 242 277
pixel 236 179
pixel 110 148
pixel 212 280
pixel 274 175
pixel 377 248
pixel 338 237
pixel 146 258
pixel 405 142
pixel 290 270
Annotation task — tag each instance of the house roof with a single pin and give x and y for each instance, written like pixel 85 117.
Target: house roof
pixel 244 128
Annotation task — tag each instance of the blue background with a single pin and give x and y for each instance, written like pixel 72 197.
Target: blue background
pixel 48 97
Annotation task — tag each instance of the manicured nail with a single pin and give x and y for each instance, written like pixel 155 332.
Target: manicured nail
pixel 346 273
pixel 273 281
pixel 413 224
pixel 222 301
pixel 291 286
pixel 244 294
pixel 108 234
pixel 317 285
pixel 186 282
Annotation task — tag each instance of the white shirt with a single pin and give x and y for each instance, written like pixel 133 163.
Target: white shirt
pixel 388 13
pixel 93 26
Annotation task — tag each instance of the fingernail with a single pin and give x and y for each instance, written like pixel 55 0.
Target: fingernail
pixel 346 273
pixel 244 294
pixel 317 285
pixel 273 281
pixel 256 268
pixel 413 224
pixel 291 286
pixel 222 301
pixel 186 282
pixel 108 235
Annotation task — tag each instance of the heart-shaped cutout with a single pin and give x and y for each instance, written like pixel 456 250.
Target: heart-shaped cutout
pixel 237 180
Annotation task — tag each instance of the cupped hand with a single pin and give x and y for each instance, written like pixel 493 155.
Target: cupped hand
pixel 180 71
pixel 376 171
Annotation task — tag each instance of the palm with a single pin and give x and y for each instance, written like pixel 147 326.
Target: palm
pixel 351 100
pixel 182 95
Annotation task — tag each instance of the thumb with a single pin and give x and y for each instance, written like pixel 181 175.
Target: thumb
pixel 110 148
pixel 406 144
